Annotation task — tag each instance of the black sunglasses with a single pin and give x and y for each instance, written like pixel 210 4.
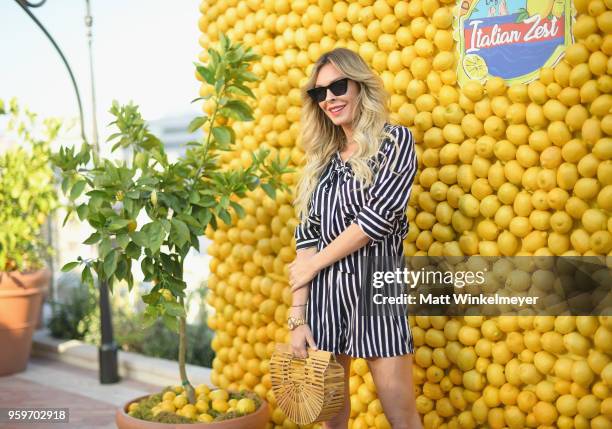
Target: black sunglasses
pixel 337 87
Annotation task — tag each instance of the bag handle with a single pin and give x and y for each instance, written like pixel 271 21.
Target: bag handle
pixel 311 353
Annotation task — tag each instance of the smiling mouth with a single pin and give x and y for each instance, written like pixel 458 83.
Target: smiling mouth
pixel 336 109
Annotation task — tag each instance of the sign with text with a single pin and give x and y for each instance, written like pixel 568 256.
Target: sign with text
pixel 511 39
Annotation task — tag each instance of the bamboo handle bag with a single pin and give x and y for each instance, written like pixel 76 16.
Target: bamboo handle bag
pixel 307 390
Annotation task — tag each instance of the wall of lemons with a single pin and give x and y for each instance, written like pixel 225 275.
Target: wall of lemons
pixel 503 171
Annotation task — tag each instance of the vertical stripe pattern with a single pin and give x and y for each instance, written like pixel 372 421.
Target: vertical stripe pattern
pixel 380 211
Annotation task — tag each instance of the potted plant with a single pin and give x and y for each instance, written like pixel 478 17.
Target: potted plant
pixel 27 197
pixel 179 201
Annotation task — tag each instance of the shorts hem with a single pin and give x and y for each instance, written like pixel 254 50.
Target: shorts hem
pixel 367 355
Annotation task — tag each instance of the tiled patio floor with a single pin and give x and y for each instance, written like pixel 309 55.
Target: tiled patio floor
pixel 49 383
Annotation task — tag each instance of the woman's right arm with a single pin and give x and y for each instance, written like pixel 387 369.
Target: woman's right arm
pixel 301 337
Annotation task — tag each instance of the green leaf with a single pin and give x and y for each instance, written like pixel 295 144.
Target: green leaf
pixel 150 315
pixel 204 217
pixel 77 189
pixel 70 266
pixel 133 250
pixel 82 211
pixel 156 235
pixel 86 276
pixel 179 232
pixel 93 238
pixel 239 210
pixel 171 322
pixel 225 42
pixel 148 320
pixel 240 89
pixel 207 201
pixel 206 97
pixel 222 135
pixel 122 268
pixel 174 309
pixel 189 220
pixel 248 76
pixel 110 264
pixel 65 184
pixel 68 213
pixel 141 239
pixel 123 240
pixel 194 197
pixel 206 74
pixel 225 216
pixel 269 189
pixel 117 224
pixel 105 247
pixel 148 269
pixel 219 84
pixel 238 109
pixel 151 297
pixel 165 223
pixel 196 123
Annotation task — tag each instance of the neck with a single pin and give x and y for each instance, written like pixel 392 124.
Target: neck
pixel 348 131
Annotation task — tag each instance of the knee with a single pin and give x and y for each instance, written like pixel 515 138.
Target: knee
pixel 397 423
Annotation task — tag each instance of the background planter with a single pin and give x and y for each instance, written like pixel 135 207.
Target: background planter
pixel 256 420
pixel 21 296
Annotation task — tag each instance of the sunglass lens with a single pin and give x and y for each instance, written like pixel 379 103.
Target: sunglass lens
pixel 339 87
pixel 321 94
pixel 317 94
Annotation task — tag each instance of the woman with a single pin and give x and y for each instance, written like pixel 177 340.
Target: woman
pixel 351 201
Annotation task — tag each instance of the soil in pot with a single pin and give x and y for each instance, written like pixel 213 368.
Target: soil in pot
pixel 217 409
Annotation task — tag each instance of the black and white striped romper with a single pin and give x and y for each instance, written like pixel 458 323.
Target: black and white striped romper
pixel 380 210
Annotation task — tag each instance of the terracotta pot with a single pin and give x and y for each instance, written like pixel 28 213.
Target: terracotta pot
pixel 256 420
pixel 21 296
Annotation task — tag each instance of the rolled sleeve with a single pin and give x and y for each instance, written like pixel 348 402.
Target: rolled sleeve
pixel 388 196
pixel 308 231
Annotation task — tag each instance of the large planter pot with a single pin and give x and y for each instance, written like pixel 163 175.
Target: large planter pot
pixel 21 296
pixel 256 420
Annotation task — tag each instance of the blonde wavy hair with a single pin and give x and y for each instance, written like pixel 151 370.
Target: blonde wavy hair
pixel 321 138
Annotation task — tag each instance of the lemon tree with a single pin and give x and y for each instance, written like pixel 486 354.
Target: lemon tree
pixel 181 199
pixel 27 193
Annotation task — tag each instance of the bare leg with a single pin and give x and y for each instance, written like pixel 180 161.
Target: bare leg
pixel 341 420
pixel 395 388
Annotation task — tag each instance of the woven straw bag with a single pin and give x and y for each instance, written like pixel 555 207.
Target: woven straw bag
pixel 307 390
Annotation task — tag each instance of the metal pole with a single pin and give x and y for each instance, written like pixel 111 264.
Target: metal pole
pixel 107 351
pixel 24 4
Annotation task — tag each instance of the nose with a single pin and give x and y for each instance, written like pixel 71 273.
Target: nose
pixel 327 95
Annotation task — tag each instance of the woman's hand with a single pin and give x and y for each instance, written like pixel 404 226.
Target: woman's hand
pixel 300 338
pixel 302 271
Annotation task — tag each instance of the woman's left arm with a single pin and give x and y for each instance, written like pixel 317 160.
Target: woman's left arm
pixel 386 200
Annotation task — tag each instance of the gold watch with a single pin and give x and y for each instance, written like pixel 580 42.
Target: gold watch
pixel 294 322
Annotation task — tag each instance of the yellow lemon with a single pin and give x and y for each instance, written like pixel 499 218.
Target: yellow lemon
pixel 245 406
pixel 205 418
pixel 180 401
